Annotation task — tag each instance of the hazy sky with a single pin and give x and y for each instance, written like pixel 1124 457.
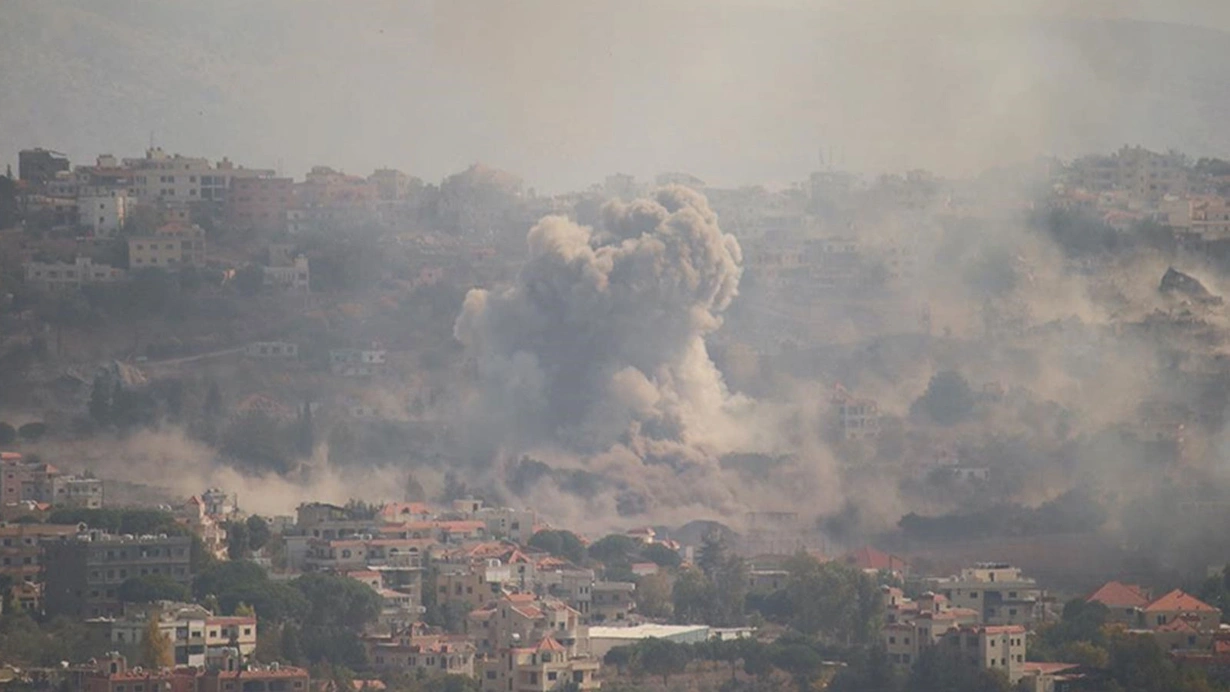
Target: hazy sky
pixel 565 91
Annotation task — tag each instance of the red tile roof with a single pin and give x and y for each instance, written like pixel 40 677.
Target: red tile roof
pixel 549 644
pixel 1048 668
pixel 1115 594
pixel 870 558
pixel 1178 600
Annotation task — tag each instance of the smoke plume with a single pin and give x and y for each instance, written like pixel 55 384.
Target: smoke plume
pixel 597 351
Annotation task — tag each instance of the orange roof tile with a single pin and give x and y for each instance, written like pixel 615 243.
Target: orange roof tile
pixel 1178 600
pixel 549 644
pixel 1115 594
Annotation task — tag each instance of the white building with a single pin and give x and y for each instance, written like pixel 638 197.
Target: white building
pixel 357 362
pixel 103 212
pixel 160 177
pixel 603 639
pixel 272 349
pixel 295 277
pixel 56 275
pixel 76 491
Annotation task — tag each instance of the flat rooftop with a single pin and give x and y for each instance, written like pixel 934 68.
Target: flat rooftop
pixel 645 631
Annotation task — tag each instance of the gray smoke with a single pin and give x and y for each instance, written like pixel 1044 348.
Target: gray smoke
pixel 601 339
pixel 596 354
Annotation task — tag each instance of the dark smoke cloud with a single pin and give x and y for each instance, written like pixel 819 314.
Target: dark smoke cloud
pixel 600 342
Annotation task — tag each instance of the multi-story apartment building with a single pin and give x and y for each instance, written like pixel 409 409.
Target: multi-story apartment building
pixel 84 574
pixel 414 649
pixel 612 601
pixel 357 362
pixel 24 479
pixel 294 276
pixel 173 245
pixel 63 275
pixel 259 203
pixel 103 212
pixel 21 558
pixel 541 667
pixel 38 166
pixel 857 418
pixel 514 524
pixel 182 624
pixel 76 491
pixel 112 674
pixel 159 177
pixel 997 591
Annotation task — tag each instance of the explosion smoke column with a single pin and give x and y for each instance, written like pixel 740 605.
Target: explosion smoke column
pixel 598 348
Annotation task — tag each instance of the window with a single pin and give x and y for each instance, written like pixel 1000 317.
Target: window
pixel 552 675
pixel 491 675
pixel 892 640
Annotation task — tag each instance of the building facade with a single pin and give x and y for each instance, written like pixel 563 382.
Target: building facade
pixel 83 575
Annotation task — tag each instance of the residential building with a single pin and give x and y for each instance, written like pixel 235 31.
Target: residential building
pixel 357 362
pixel 229 676
pixel 38 166
pixel 159 177
pixel 113 675
pixel 857 418
pixel 997 591
pixel 173 245
pixel 21 558
pixel 63 275
pixel 613 601
pixel 391 184
pixel 296 276
pixel 542 667
pixel 259 203
pixel 476 584
pixel 25 480
pixel 203 525
pixel 231 632
pixel 84 574
pixel 516 525
pixel 219 503
pixel 1180 606
pixel 182 624
pixel 272 349
pixel 103 212
pixel 415 649
pixel 1125 603
pixel 76 491
pixel 990 647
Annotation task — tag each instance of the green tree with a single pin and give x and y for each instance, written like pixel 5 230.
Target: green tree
pixel 292 649
pixel 948 399
pixel 661 556
pixel 614 549
pixel 8 434
pixel 152 587
pixel 32 432
pixel 563 544
pixel 337 601
pixel 156 651
pixel 662 658
pixel 237 545
pixel 653 595
pixel 258 532
pixel 693 597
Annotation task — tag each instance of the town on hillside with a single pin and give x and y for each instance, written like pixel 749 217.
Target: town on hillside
pixel 899 432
